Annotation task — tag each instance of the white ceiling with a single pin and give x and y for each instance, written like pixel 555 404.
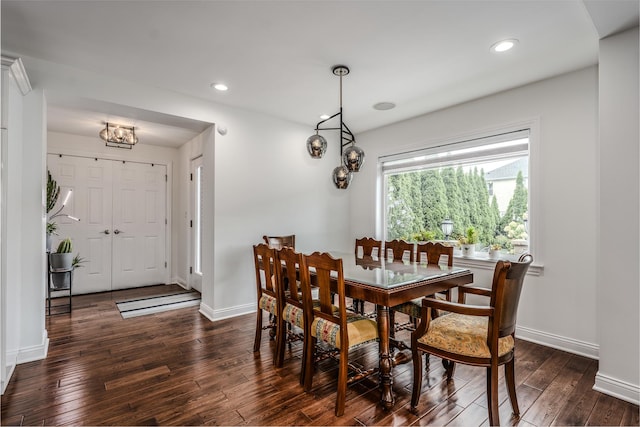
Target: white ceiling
pixel 276 56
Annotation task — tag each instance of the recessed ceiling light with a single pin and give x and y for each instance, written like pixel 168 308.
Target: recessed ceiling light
pixel 503 45
pixel 324 116
pixel 219 86
pixel 384 106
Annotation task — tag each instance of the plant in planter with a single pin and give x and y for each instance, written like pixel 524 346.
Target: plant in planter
pixel 61 260
pixel 53 192
pixel 468 242
pixel 494 250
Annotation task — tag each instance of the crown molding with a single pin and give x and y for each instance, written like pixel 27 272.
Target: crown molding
pixel 16 67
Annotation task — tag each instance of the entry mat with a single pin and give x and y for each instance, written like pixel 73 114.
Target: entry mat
pixel 142 306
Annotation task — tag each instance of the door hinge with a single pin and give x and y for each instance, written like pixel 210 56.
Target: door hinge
pixel 165 221
pixel 165 264
pixel 166 178
pixel 191 177
pixel 190 270
pixel 191 223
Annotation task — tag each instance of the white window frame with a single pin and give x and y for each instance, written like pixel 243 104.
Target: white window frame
pixel 534 178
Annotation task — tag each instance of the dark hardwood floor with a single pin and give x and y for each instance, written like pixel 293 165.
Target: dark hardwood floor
pixel 178 368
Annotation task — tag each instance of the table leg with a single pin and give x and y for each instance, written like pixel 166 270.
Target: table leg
pixel 386 362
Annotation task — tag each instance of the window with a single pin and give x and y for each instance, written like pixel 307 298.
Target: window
pixel 480 184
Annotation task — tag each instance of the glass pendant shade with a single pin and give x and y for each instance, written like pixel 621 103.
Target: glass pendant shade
pixel 341 177
pixel 316 146
pixel 353 158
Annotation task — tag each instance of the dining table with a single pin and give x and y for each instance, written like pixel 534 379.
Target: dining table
pixel 387 283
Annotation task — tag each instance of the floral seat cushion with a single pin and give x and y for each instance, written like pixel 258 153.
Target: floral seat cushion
pixel 413 308
pixel 295 315
pixel 268 303
pixel 463 334
pixel 359 330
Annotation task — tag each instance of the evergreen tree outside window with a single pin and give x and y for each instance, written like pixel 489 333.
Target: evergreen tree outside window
pixel 480 183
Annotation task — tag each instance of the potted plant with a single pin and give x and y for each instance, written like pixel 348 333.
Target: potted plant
pixel 494 250
pixel 61 260
pixel 53 192
pixel 468 242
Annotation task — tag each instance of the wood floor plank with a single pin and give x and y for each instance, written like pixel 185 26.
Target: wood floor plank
pixel 179 368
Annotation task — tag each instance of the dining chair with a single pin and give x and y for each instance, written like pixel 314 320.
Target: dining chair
pixel 398 249
pixel 475 335
pixel 368 244
pixel 433 252
pixel 289 292
pixel 340 330
pixel 264 259
pixel 277 242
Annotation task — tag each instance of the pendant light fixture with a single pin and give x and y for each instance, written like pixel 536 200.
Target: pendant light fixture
pixel 351 157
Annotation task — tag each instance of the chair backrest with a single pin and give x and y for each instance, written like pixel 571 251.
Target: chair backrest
pixel 321 269
pixel 278 242
pixel 434 250
pixel 264 258
pixel 289 262
pixel 368 244
pixel 398 249
pixel 508 278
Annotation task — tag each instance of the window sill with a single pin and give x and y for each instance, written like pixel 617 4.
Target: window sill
pixel 483 262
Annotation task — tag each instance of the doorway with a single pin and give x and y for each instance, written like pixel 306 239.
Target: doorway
pixel 122 229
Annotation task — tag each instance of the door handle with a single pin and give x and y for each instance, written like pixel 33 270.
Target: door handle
pixel 106 232
pixel 116 231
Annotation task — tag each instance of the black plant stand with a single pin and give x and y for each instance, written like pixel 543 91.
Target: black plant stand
pixel 51 289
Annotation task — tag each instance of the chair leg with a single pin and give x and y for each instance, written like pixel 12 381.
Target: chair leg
pixel 417 378
pixel 492 395
pixel 281 341
pixel 342 382
pixel 258 338
pixel 509 375
pixel 450 368
pixel 308 363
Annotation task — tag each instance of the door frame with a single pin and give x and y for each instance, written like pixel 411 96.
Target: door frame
pixel 168 192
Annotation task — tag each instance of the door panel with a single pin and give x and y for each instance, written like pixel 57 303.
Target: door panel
pixel 139 225
pixel 91 182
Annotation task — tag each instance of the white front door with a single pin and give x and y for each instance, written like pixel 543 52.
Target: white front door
pixel 139 224
pixel 121 232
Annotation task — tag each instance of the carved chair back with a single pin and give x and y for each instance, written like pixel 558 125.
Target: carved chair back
pixel 398 249
pixel 433 252
pixel 368 244
pixel 278 242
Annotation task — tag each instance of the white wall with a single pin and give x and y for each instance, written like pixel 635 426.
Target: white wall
pixel 264 182
pixel 619 231
pixel 557 307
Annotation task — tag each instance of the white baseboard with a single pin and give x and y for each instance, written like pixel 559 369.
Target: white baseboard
pixel 35 352
pixel 559 342
pixel 617 388
pixel 9 371
pixel 226 313
pixel 180 281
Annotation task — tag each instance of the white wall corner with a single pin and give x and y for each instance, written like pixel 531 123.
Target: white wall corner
pixel 179 281
pixel 559 342
pixel 617 388
pixel 35 352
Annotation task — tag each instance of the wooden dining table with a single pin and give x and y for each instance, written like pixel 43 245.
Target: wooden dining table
pixel 387 283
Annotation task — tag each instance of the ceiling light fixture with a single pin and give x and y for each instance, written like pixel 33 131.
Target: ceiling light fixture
pixel 219 86
pixel 119 136
pixel 503 45
pixel 351 157
pixel 382 106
